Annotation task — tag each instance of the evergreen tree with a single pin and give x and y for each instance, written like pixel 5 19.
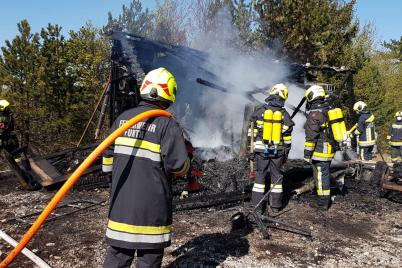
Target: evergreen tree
pixel 134 19
pixel 319 32
pixel 395 48
pixel 88 54
pixel 20 74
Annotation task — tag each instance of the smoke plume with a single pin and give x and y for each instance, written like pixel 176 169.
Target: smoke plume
pixel 214 118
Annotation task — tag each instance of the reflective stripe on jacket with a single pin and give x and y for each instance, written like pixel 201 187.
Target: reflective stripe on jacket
pixel 319 141
pixel 143 162
pixel 366 129
pixel 287 128
pixel 395 138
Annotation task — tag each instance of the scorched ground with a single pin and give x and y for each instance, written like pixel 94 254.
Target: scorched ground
pixel 360 230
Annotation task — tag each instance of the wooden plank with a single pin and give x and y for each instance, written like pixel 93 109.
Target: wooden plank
pixel 45 171
pixel 392 186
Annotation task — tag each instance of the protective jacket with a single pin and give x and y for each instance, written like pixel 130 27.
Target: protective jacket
pixel 319 144
pixel 366 129
pixel 6 122
pixel 143 161
pixel 395 137
pixel 274 103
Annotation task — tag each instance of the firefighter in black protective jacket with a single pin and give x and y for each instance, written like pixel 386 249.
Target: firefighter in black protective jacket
pixel 365 131
pixel 8 138
pixel 143 162
pixel 395 141
pixel 319 147
pixel 271 149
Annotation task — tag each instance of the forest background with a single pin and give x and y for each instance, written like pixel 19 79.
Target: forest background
pixel 53 82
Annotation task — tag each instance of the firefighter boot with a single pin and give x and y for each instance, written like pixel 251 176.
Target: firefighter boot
pixel 323 202
pixel 275 201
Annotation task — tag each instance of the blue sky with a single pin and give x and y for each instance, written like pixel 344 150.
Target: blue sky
pixel 72 14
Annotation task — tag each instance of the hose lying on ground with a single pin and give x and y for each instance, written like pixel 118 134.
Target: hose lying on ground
pixel 74 178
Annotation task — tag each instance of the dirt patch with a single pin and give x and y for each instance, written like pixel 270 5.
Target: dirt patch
pixel 359 230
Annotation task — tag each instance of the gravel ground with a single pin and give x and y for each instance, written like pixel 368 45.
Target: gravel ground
pixel 360 230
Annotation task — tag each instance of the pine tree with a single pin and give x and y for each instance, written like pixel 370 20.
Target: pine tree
pixel 319 32
pixel 20 77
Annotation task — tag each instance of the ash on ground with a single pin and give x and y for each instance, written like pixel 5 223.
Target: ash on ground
pixel 359 230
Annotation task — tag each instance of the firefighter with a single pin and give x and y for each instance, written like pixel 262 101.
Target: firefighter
pixel 319 147
pixel 273 137
pixel 143 162
pixel 8 138
pixel 365 131
pixel 395 141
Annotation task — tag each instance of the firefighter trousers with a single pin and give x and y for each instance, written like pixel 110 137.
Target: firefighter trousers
pixel 9 142
pixel 268 175
pixel 322 180
pixel 366 152
pixel 122 257
pixel 396 154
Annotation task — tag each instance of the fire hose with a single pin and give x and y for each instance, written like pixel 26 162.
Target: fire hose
pixel 74 178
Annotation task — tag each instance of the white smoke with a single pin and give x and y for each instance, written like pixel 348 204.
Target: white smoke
pixel 215 118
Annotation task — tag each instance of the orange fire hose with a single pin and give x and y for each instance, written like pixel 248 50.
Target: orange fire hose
pixel 74 178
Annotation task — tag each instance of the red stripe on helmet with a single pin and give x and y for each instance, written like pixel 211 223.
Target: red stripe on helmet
pixel 145 84
pixel 165 88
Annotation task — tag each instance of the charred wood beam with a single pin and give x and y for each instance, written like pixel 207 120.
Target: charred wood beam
pixel 392 186
pixel 210 200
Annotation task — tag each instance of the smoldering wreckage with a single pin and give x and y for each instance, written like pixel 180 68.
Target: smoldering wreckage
pixel 212 226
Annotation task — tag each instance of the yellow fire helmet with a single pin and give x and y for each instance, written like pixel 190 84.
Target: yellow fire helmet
pixel 159 85
pixel 398 114
pixel 281 90
pixel 4 104
pixel 359 106
pixel 315 92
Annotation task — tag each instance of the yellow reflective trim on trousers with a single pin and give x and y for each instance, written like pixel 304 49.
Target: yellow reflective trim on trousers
pixel 258 188
pixel 142 144
pixel 137 229
pixel 320 191
pixel 259 185
pixel 107 160
pixel 362 155
pixel 370 119
pixel 366 143
pixel 319 181
pixel 395 143
pixel 287 138
pixel 276 186
pixel 324 192
pixel 396 126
